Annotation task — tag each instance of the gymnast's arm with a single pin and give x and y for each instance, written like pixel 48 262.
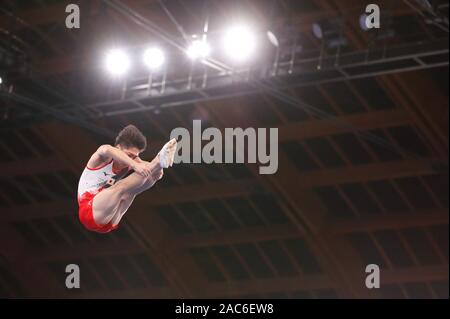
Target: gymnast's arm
pixel 139 160
pixel 106 152
pixel 155 166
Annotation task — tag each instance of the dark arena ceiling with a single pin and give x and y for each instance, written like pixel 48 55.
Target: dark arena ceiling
pixel 362 118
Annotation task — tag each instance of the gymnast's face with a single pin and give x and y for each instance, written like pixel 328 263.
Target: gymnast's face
pixel 132 152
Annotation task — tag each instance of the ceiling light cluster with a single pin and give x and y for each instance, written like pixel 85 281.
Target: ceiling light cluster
pixel 239 44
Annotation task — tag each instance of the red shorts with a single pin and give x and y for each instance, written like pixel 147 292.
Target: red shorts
pixel 86 215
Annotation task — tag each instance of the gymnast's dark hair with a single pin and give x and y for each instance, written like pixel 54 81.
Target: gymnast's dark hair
pixel 130 136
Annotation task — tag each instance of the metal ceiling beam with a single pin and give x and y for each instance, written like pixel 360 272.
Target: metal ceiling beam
pixel 363 121
pixel 32 166
pixel 366 172
pixel 242 235
pixel 415 274
pixel 351 66
pixel 335 227
pixel 392 221
pixel 55 113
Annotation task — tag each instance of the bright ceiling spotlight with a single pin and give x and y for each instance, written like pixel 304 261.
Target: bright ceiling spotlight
pixel 363 23
pixel 198 49
pixel 154 58
pixel 317 31
pixel 1 80
pixel 239 43
pixel 329 31
pixel 273 39
pixel 117 62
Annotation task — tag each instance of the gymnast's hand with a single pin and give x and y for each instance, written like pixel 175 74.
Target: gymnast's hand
pixel 143 168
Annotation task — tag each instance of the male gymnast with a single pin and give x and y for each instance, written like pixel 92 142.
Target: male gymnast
pixel 114 175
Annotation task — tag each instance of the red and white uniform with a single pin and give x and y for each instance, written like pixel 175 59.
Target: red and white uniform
pixel 92 182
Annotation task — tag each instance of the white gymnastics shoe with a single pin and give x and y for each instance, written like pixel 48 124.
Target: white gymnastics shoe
pixel 167 153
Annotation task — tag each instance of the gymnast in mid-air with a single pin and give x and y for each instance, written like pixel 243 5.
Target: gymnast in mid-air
pixel 115 175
